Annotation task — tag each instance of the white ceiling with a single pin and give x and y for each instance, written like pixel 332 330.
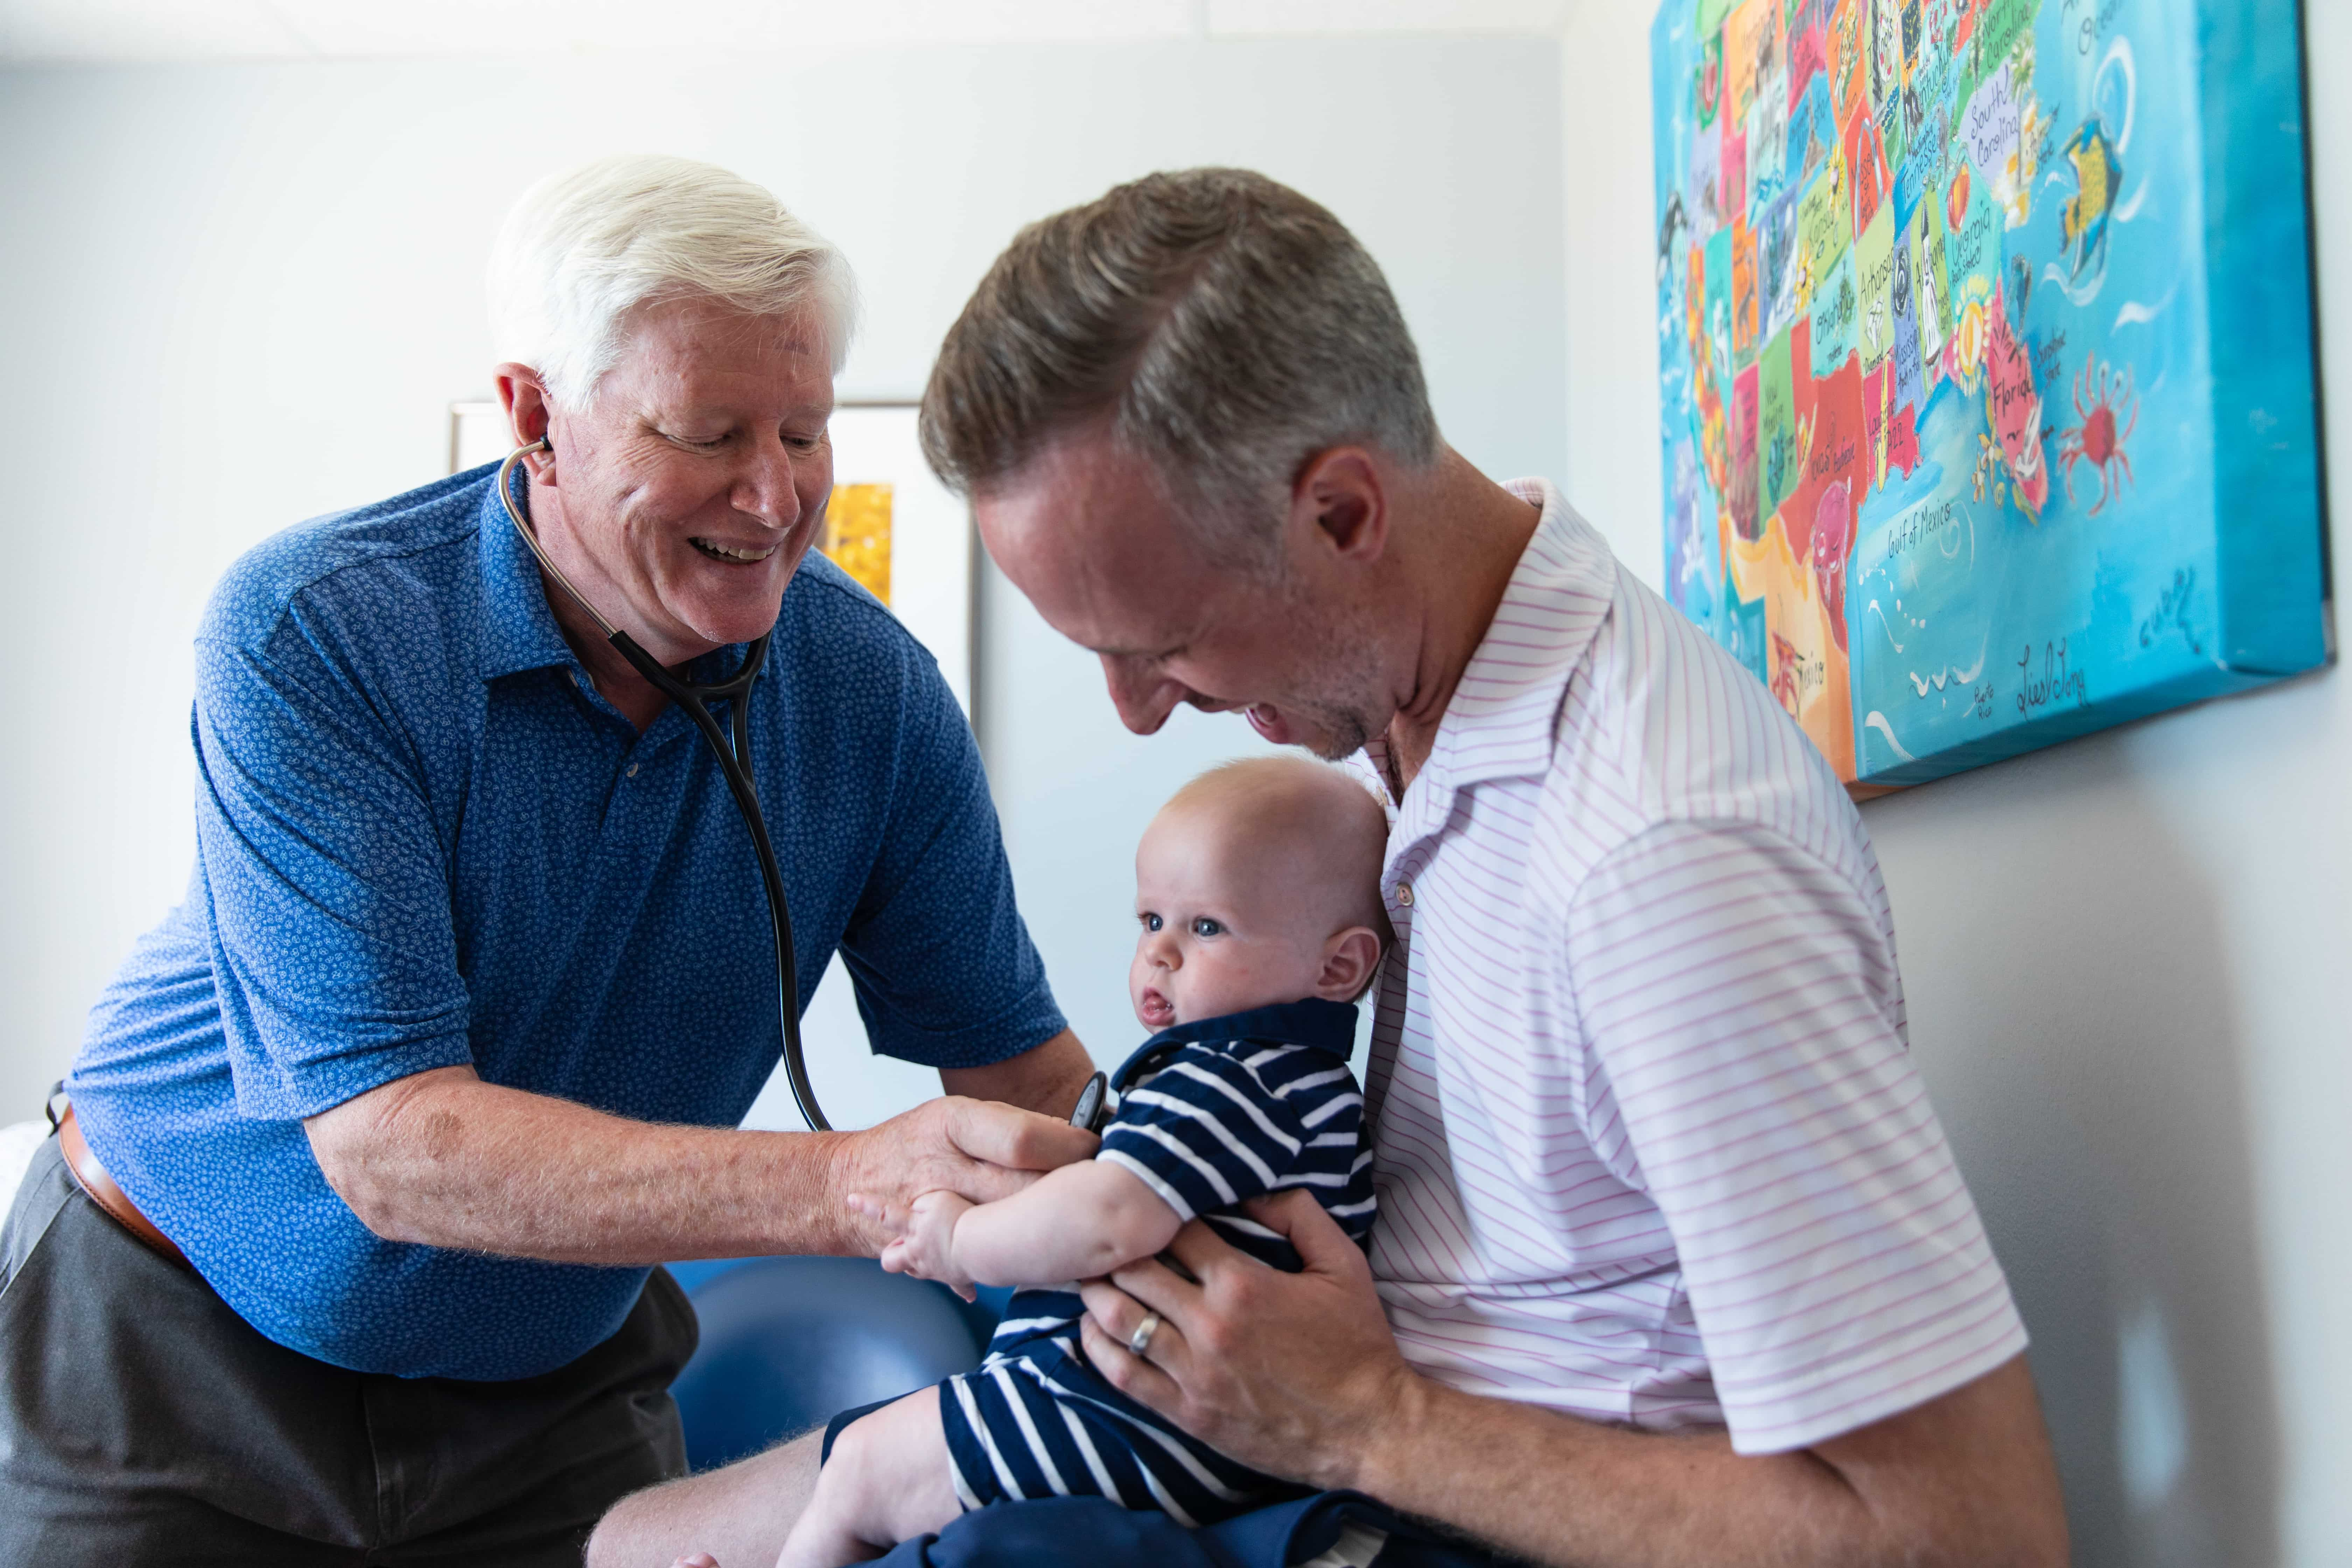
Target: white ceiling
pixel 93 31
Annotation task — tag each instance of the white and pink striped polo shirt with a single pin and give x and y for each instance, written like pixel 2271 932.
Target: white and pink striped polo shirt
pixel 1649 1145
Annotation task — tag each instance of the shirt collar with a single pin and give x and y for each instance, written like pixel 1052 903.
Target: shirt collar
pixel 1501 720
pixel 517 630
pixel 1313 1022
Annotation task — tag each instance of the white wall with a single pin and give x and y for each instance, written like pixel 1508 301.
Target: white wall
pixel 2129 964
pixel 233 297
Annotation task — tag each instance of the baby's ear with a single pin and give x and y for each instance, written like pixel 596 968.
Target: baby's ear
pixel 1349 960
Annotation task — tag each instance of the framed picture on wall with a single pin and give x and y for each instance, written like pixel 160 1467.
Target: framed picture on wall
pixel 906 537
pixel 1987 350
pixel 890 524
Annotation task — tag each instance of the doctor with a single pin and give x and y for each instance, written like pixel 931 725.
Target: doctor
pixel 375 1141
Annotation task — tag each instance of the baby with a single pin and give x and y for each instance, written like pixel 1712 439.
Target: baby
pixel 1257 889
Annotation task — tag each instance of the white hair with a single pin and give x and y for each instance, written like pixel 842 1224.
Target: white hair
pixel 582 249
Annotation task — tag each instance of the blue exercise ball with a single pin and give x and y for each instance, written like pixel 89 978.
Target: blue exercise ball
pixel 787 1343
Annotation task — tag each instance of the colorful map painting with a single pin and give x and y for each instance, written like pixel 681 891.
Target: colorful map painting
pixel 1986 340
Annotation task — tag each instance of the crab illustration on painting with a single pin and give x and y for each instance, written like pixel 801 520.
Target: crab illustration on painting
pixel 2104 402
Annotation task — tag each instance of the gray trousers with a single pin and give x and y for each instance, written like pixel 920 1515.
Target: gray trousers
pixel 141 1421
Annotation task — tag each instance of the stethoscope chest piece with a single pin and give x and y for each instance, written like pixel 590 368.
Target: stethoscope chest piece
pixel 1094 1104
pixel 1097 1105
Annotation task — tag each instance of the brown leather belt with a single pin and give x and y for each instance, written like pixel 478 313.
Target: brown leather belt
pixel 91 1177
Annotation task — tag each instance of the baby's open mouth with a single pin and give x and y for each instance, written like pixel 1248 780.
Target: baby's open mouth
pixel 736 554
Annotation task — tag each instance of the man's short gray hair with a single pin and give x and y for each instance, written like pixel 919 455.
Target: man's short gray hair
pixel 582 249
pixel 1227 327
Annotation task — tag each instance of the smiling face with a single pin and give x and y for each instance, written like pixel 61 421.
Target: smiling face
pixel 687 491
pixel 1086 531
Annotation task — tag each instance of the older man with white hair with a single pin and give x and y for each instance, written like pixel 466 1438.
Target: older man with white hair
pixel 346 1251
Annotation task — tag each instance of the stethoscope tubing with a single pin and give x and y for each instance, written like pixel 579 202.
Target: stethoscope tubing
pixel 734 764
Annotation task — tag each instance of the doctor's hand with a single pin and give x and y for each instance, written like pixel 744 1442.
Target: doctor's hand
pixel 977 1149
pixel 1285 1373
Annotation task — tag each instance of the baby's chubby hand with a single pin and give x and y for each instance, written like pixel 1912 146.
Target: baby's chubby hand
pixel 922 1236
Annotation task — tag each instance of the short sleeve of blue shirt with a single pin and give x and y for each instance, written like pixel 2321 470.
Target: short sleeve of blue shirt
pixel 332 947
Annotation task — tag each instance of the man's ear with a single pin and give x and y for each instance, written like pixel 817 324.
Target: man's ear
pixel 1339 500
pixel 530 414
pixel 1349 960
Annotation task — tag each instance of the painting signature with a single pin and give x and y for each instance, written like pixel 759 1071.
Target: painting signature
pixel 2056 684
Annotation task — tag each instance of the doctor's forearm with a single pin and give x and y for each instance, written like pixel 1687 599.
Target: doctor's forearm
pixel 447 1160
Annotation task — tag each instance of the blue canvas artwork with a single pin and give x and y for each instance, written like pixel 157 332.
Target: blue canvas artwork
pixel 1986 353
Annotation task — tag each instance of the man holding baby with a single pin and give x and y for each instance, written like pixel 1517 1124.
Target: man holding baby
pixel 1672 1264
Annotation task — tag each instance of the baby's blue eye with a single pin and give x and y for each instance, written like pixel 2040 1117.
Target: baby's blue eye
pixel 1204 926
pixel 1150 922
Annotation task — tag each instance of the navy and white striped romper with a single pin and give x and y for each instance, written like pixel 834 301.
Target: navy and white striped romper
pixel 1210 1113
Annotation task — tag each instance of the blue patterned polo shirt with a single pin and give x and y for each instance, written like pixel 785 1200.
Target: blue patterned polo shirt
pixel 424 840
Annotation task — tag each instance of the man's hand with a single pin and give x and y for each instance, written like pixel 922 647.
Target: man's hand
pixel 922 1240
pixel 1283 1371
pixel 979 1151
pixel 1298 1376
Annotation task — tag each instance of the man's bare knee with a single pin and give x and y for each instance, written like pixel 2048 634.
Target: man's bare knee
pixel 739 1514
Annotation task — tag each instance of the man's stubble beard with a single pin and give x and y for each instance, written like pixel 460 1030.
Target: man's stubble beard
pixel 1348 705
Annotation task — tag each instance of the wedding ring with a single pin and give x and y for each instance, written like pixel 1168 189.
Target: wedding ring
pixel 1139 1342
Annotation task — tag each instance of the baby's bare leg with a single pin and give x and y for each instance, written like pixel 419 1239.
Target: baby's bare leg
pixel 887 1481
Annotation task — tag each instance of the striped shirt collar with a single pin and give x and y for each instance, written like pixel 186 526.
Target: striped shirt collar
pixel 1501 721
pixel 1311 1021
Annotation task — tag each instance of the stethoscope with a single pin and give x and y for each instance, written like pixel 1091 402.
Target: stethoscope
pixel 695 700
pixel 1095 1101
pixel 735 763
